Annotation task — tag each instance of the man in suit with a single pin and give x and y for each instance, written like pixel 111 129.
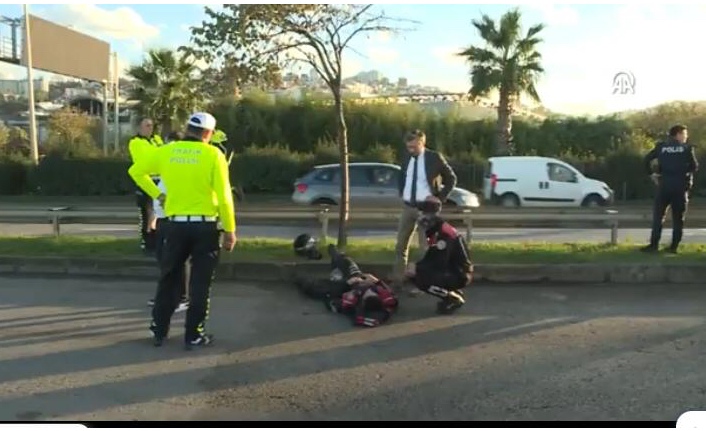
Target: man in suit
pixel 424 173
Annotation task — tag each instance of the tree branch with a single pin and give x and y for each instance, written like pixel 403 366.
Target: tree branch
pixel 320 51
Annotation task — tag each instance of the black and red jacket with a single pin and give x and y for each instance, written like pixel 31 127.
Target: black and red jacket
pixel 447 254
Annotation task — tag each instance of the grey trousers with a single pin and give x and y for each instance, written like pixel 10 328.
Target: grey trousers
pixel 406 228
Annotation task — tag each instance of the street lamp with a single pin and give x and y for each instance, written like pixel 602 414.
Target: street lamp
pixel 30 90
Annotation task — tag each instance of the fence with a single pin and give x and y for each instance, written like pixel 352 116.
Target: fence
pixel 610 219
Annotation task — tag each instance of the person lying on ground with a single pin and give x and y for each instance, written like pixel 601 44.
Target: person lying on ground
pixel 366 299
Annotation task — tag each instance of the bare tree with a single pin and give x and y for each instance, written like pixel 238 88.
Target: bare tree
pixel 266 37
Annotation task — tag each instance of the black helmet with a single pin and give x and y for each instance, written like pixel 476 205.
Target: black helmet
pixel 430 206
pixel 307 246
pixel 429 213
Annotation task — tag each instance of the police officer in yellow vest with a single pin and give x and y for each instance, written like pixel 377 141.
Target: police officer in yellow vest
pixel 219 139
pixel 195 176
pixel 145 140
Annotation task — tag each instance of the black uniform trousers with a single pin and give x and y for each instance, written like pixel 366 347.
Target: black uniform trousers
pixel 440 283
pixel 200 241
pixel 159 250
pixel 677 199
pixel 146 207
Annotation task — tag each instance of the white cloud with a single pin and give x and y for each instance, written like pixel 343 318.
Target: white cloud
pixel 633 43
pixel 556 14
pixel 123 65
pixel 582 59
pixel 351 66
pixel 122 23
pixel 380 37
pixel 185 27
pixel 448 55
pixel 382 54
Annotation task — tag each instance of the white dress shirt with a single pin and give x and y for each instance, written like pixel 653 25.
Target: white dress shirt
pixel 158 210
pixel 423 190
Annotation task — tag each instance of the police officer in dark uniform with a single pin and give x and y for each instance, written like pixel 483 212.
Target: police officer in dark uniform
pixel 446 268
pixel 676 165
pixel 143 142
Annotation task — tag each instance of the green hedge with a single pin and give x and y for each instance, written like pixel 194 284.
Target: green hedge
pixel 301 126
pixel 274 169
pixel 278 142
pixel 88 177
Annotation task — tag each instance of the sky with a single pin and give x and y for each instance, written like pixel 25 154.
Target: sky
pixel 585 46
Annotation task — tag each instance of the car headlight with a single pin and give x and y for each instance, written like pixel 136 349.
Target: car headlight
pixel 473 201
pixel 466 200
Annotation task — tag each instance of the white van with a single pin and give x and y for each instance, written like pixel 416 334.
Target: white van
pixel 541 182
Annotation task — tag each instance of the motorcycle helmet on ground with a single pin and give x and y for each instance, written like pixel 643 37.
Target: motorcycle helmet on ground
pixel 307 246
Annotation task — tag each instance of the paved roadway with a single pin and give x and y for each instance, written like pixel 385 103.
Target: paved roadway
pixel 78 350
pixel 290 232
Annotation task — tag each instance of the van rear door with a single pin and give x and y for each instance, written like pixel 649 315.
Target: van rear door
pixel 489 181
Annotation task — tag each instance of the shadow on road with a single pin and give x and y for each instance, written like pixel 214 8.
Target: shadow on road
pixel 512 351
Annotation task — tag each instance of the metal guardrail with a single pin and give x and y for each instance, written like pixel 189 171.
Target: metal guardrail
pixel 609 218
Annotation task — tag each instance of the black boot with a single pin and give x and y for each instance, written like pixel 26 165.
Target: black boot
pixel 157 338
pixel 649 249
pixel 450 304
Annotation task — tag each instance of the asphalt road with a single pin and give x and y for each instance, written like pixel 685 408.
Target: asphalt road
pixel 79 351
pixel 290 232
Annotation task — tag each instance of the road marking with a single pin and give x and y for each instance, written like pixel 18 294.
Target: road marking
pixel 108 229
pixel 529 325
pixel 553 296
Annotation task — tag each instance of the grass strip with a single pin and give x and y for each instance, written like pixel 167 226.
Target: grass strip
pixel 375 251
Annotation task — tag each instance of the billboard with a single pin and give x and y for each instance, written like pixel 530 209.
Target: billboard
pixel 61 50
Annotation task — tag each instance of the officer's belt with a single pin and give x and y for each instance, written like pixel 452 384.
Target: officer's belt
pixel 193 219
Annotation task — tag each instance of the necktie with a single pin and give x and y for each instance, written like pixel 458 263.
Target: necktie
pixel 413 198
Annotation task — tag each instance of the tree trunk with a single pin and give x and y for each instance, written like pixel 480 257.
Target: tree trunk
pixel 165 127
pixel 503 144
pixel 342 140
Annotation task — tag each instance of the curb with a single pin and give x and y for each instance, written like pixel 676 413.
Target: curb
pixel 145 269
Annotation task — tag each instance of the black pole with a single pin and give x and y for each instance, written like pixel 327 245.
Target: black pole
pixel 15 55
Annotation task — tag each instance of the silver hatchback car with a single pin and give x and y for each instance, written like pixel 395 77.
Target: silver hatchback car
pixel 370 184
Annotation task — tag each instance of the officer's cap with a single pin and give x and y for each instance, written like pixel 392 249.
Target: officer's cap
pixel 202 120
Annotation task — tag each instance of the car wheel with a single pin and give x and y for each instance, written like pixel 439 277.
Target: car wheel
pixel 323 201
pixel 592 201
pixel 509 200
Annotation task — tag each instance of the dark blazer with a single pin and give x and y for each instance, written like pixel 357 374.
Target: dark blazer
pixel 440 176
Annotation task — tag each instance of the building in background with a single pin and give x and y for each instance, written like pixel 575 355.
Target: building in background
pixel 18 87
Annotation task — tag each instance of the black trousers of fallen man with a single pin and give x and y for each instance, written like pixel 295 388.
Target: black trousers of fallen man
pixel 200 241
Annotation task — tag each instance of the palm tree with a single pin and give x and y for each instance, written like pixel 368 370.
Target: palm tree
pixel 509 63
pixel 166 87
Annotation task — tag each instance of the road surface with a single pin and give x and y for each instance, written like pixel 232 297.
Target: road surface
pixel 78 351
pixel 290 232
